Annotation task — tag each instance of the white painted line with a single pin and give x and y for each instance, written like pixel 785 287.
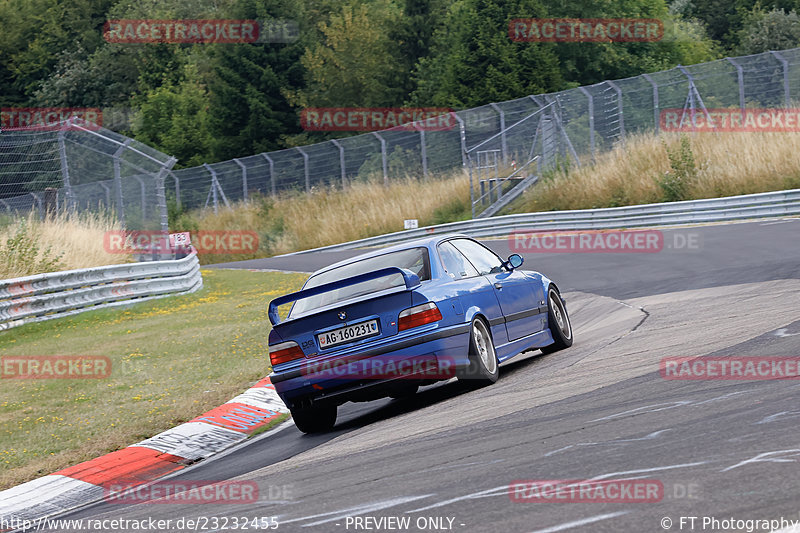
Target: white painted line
pixel 332 516
pixel 768 457
pixel 581 522
pixel 496 491
pixel 778 222
pixel 783 333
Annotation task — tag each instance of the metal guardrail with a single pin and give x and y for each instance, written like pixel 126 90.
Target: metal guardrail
pixel 769 204
pixel 54 295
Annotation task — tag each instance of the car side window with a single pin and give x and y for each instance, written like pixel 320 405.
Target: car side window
pixel 455 263
pixel 483 259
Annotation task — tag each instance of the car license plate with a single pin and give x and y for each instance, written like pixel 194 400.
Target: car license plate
pixel 348 334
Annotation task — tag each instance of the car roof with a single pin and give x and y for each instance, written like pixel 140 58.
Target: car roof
pixel 427 242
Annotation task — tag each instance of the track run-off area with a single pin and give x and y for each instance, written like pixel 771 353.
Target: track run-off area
pixel 443 460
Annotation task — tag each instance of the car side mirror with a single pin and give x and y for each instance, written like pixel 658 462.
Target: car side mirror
pixel 514 261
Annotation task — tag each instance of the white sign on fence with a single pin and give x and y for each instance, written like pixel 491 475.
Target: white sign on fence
pixel 412 223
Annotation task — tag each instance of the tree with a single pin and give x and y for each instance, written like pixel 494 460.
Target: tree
pixel 354 64
pixel 774 30
pixel 474 61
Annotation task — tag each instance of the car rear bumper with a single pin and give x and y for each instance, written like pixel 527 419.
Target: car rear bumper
pixel 431 356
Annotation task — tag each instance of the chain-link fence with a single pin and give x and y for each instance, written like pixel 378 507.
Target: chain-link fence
pixel 588 120
pixel 102 168
pixel 71 166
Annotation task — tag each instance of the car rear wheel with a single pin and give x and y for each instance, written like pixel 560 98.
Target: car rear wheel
pixel 558 321
pixel 316 419
pixel 404 392
pixel 483 367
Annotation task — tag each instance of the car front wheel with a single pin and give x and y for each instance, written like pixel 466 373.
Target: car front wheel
pixel 558 321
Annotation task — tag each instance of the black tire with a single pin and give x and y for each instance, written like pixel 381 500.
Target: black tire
pixel 483 366
pixel 558 322
pixel 317 419
pixel 404 392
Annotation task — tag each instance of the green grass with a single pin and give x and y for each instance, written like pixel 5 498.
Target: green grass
pixel 172 359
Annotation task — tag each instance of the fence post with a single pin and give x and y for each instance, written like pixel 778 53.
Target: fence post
pixel 271 172
pixel 342 167
pixel 785 63
pixel 215 186
pixel 384 159
pixel 177 188
pixel 244 177
pixel 619 103
pixel 107 191
pixel 692 93
pixel 424 153
pixel 590 98
pixel 161 195
pixel 503 145
pixel 305 168
pixel 740 77
pixel 62 152
pixel 118 181
pixel 656 107
pixel 463 134
pixel 143 192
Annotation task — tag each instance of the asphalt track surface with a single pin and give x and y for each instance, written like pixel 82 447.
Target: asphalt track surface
pixel 444 459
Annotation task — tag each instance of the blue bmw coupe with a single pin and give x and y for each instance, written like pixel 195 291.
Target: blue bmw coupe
pixel 386 322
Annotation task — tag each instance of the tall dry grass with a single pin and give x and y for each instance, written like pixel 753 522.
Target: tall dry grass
pixel 59 242
pixel 726 164
pixel 324 217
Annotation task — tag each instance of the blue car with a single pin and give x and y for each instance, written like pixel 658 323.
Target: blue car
pixel 386 322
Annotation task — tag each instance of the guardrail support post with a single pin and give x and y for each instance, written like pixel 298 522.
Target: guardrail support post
pixel 785 63
pixel 342 167
pixel 244 177
pixel 384 158
pixel 271 172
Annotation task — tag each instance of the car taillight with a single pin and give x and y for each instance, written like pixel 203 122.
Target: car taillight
pixel 418 315
pixel 284 352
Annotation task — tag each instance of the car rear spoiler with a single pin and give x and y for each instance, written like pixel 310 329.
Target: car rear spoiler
pixel 411 280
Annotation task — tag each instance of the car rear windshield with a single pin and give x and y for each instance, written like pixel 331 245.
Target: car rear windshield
pixel 413 259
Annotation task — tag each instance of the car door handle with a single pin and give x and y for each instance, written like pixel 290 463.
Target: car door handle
pixel 498 285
